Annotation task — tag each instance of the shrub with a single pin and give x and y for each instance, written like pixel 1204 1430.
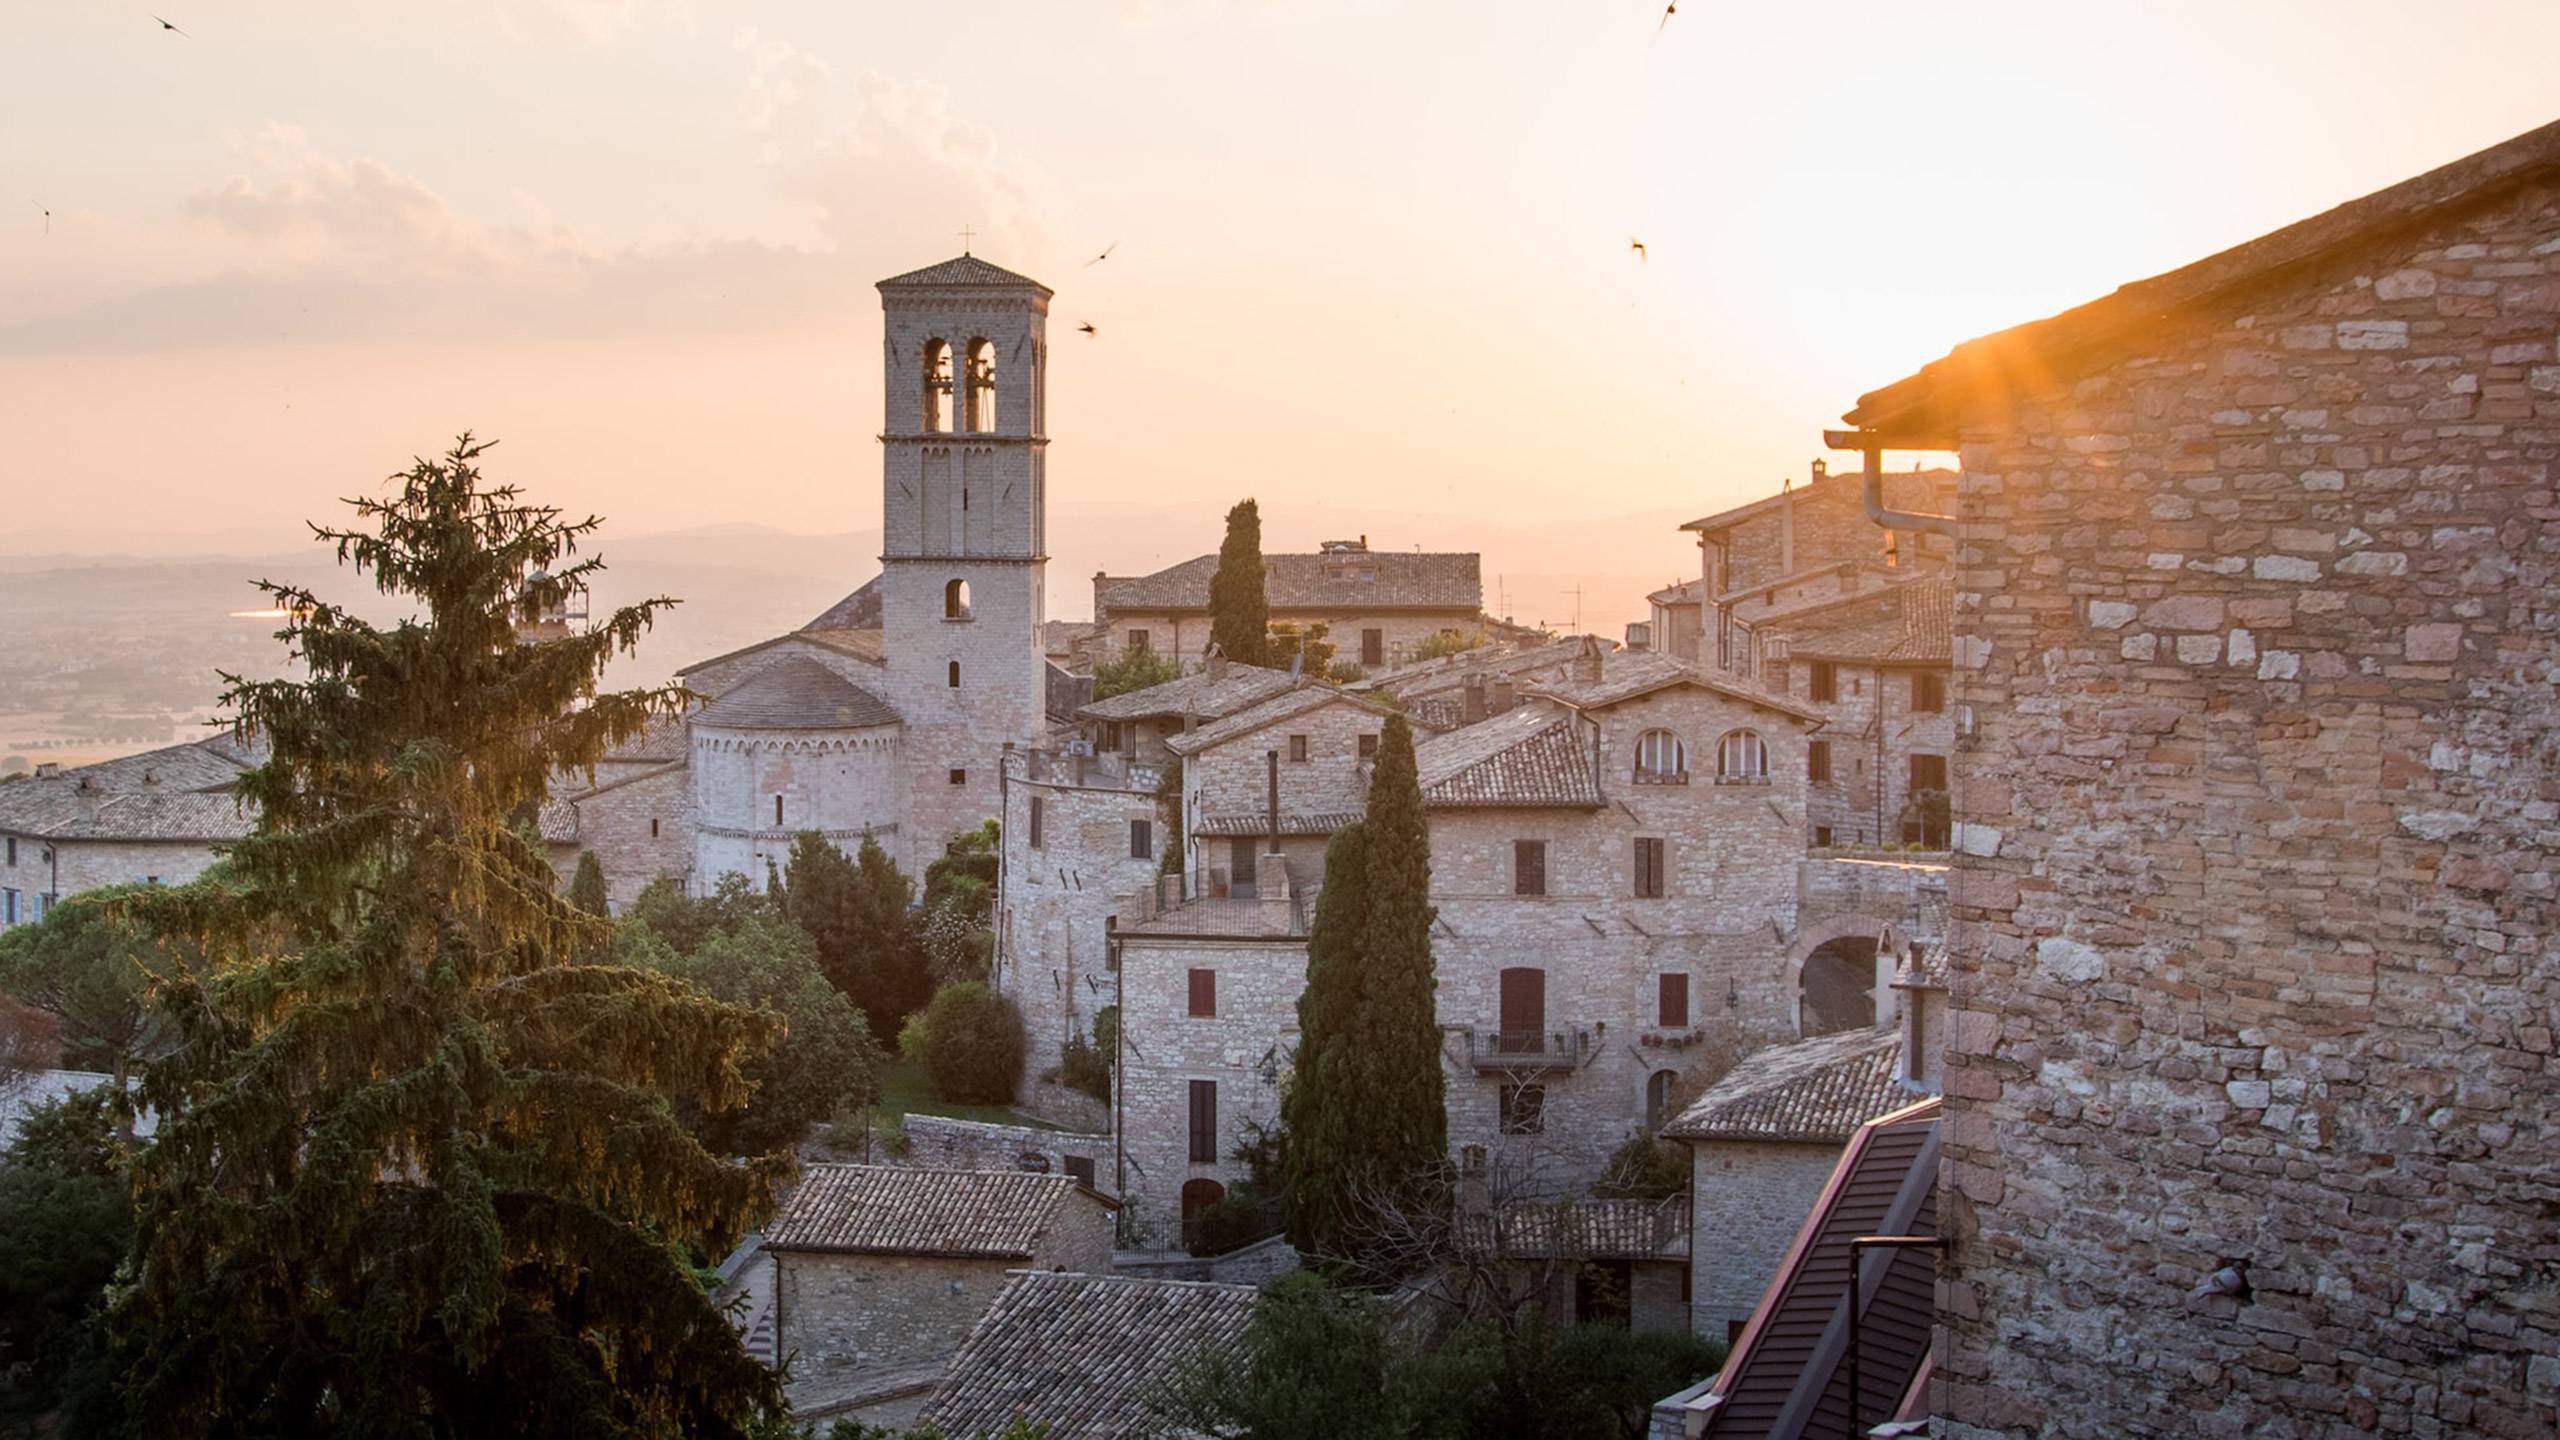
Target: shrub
pixel 1133 670
pixel 969 1041
pixel 1644 1169
pixel 1444 642
pixel 1082 1067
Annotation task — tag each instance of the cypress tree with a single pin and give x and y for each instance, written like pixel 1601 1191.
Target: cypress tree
pixel 857 910
pixel 1239 613
pixel 1368 1089
pixel 416 1173
pixel 586 888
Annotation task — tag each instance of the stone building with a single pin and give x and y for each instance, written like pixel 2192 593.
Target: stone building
pixel 1585 1261
pixel 1876 664
pixel 1377 605
pixel 2252 947
pixel 151 818
pixel 1082 1357
pixel 888 715
pixel 1614 862
pixel 880 1272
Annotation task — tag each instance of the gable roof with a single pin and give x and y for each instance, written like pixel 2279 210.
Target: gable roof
pixel 1329 580
pixel 893 1210
pixel 1201 693
pixel 1921 631
pixel 796 693
pixel 1784 1379
pixel 1921 410
pixel 857 611
pixel 1818 1091
pixel 1305 696
pixel 1633 674
pixel 174 793
pixel 1531 755
pixel 861 644
pixel 962 271
pixel 1081 1355
pixel 1450 672
pixel 1830 486
pixel 1580 1229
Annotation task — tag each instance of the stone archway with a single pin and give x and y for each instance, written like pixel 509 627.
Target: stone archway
pixel 1831 973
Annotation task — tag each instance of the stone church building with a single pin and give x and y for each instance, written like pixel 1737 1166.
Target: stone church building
pixel 887 715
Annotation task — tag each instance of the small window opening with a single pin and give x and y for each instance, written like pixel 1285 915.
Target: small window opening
pixel 955 674
pixel 777 809
pixel 959 777
pixel 982 385
pixel 937 385
pixel 955 599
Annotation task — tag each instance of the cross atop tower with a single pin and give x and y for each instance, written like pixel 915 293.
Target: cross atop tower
pixel 966 235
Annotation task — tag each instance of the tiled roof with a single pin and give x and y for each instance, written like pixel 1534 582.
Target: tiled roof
pixel 1921 631
pixel 796 693
pixel 1627 675
pixel 1531 755
pixel 1687 592
pixel 891 1210
pixel 1725 519
pixel 964 270
pixel 861 644
pixel 1309 695
pixel 177 792
pixel 1199 693
pixel 857 611
pixel 1225 918
pixel 1819 1091
pixel 1057 637
pixel 1449 673
pixel 1397 580
pixel 1081 1356
pixel 1581 1229
pixel 661 741
pixel 1292 822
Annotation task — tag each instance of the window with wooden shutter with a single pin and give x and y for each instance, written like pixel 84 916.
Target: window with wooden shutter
pixel 1204 1121
pixel 1035 822
pixel 1928 692
pixel 1817 761
pixel 1373 648
pixel 1672 1001
pixel 1649 867
pixel 1825 682
pixel 1297 749
pixel 1204 994
pixel 1142 839
pixel 1080 1170
pixel 1528 867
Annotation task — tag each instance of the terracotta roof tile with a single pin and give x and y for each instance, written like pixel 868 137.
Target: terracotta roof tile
pixel 1395 580
pixel 1198 693
pixel 891 1210
pixel 1306 696
pixel 1587 1229
pixel 177 792
pixel 796 693
pixel 1531 755
pixel 1818 1091
pixel 1630 674
pixel 963 270
pixel 1921 629
pixel 1083 1355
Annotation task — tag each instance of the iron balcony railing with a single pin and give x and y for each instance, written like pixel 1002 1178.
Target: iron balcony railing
pixel 1528 1049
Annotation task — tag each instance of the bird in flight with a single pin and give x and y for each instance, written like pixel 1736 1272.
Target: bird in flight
pixel 165 25
pixel 1668 10
pixel 48 222
pixel 1638 247
pixel 1087 327
pixel 1105 255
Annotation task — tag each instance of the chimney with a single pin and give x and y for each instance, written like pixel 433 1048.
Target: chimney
pixel 1271 891
pixel 1217 664
pixel 1821 468
pixel 1924 1028
pixel 1587 662
pixel 48 769
pixel 1503 695
pixel 1471 700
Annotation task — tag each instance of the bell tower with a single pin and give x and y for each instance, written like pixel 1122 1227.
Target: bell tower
pixel 964 513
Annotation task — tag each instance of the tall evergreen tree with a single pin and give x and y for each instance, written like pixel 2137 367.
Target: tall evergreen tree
pixel 858 911
pixel 415 1172
pixel 586 888
pixel 1366 1114
pixel 1239 612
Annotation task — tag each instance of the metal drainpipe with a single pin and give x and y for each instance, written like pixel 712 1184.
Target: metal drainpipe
pixel 1876 511
pixel 1857 1303
pixel 1119 1047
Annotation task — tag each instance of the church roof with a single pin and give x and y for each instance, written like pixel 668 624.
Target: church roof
pixel 796 693
pixel 857 611
pixel 964 270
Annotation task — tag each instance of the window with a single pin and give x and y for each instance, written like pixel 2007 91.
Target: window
pixel 1671 1001
pixel 1821 837
pixel 1204 1122
pixel 1036 817
pixel 1661 759
pixel 1817 761
pixel 1204 994
pixel 1198 1195
pixel 1928 772
pixel 8 907
pixel 1373 648
pixel 1657 1098
pixel 1297 749
pixel 1825 681
pixel 960 777
pixel 955 599
pixel 981 408
pixel 937 385
pixel 1369 747
pixel 955 674
pixel 777 810
pixel 1524 1109
pixel 1522 1016
pixel 1080 1169
pixel 1528 867
pixel 150 879
pixel 1648 867
pixel 13 849
pixel 1139 643
pixel 1928 692
pixel 1741 758
pixel 653 827
pixel 1142 839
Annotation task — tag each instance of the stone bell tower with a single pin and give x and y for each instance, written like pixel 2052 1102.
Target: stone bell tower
pixel 964 550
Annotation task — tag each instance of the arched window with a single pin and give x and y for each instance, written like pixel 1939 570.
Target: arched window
pixel 937 385
pixel 955 674
pixel 1657 1098
pixel 981 412
pixel 1661 759
pixel 955 600
pixel 1198 1195
pixel 1741 758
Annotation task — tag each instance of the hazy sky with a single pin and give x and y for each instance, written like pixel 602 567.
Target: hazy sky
pixel 1373 260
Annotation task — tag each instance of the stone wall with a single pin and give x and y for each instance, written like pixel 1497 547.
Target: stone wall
pixel 1057 900
pixel 79 865
pixel 938 1143
pixel 1186 636
pixel 1822 522
pixel 1747 1200
pixel 2255 920
pixel 842 783
pixel 1244 1050
pixel 639 828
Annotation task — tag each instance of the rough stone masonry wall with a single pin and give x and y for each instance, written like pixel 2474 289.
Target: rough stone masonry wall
pixel 1054 956
pixel 1747 1200
pixel 93 864
pixel 2254 928
pixel 618 825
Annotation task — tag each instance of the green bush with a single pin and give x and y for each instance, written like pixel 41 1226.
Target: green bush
pixel 1644 1169
pixel 1133 670
pixel 969 1041
pixel 1084 1068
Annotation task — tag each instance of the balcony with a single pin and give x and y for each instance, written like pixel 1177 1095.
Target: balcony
pixel 1525 1050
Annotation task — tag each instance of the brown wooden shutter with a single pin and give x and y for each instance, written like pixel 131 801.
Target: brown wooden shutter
pixel 1204 993
pixel 1204 1120
pixel 1524 1009
pixel 1528 867
pixel 1675 1002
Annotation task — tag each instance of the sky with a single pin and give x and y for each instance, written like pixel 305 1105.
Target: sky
pixel 1370 263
